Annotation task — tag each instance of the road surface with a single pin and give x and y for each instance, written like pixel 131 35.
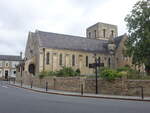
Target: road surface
pixel 17 100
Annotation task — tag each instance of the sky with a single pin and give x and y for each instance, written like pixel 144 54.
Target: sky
pixel 72 17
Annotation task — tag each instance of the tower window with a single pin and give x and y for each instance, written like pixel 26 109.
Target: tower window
pixel 104 32
pixel 60 59
pixel 95 33
pixel 87 61
pixel 73 60
pixel 47 58
pixel 89 34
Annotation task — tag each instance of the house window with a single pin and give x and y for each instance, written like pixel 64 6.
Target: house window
pixel 73 60
pixel 95 33
pixel 87 61
pixel 14 64
pixel 47 58
pixel 112 33
pixel 14 72
pixel 89 34
pixel 60 59
pixel 104 33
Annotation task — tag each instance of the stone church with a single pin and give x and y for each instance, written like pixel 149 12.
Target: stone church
pixel 46 51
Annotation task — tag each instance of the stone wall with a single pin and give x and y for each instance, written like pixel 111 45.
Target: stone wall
pixel 73 84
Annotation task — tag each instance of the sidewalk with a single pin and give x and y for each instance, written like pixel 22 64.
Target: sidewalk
pixel 65 93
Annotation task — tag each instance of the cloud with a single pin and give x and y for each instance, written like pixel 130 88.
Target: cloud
pixel 18 17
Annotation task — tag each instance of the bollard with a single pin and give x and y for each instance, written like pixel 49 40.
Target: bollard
pixel 9 80
pixel 21 83
pixel 31 84
pixel 46 86
pixel 142 94
pixel 14 81
pixel 81 89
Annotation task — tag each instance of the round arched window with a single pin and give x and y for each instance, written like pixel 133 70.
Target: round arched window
pixel 31 69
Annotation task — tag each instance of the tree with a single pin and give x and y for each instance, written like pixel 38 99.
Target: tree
pixel 138 42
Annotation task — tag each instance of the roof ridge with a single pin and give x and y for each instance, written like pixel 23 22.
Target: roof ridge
pixel 59 34
pixel 85 38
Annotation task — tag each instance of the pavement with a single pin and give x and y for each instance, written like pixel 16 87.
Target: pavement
pixel 65 93
pixel 19 100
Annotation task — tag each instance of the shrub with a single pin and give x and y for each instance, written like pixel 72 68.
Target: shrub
pixel 128 71
pixel 51 73
pixel 43 74
pixel 109 74
pixel 66 71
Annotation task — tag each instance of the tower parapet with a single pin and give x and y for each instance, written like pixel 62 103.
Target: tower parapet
pixel 102 31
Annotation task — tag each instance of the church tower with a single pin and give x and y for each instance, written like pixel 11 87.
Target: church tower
pixel 102 31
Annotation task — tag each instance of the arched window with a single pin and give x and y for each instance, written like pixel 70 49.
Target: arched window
pixel 109 63
pixel 87 61
pixel 73 60
pixel 47 58
pixel 104 33
pixel 60 59
pixel 112 33
pixel 31 69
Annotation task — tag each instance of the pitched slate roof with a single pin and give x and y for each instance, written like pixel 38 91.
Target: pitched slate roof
pixel 61 41
pixel 10 58
pixel 118 39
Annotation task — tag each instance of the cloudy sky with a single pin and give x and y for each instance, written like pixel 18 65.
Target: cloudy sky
pixel 18 17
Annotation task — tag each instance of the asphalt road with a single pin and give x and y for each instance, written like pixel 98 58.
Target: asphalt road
pixel 17 100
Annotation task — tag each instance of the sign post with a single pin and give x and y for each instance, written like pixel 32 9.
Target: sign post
pixel 95 65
